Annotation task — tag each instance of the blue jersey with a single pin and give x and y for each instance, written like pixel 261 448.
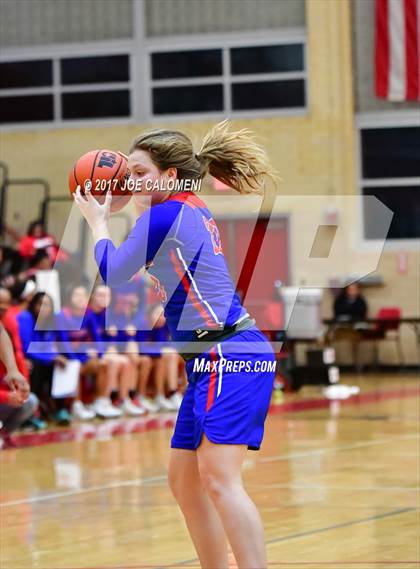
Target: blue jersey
pixel 99 322
pixel 76 331
pixel 179 244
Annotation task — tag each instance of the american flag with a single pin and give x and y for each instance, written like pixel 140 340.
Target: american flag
pixel 397 49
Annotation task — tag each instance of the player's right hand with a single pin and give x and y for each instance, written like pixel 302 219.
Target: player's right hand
pixel 16 380
pixel 15 399
pixel 60 361
pixel 96 214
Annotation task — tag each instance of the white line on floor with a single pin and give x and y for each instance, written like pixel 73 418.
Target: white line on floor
pixel 35 499
pixel 141 481
pixel 328 450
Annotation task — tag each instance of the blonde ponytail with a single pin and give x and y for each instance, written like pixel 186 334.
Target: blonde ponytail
pixel 236 159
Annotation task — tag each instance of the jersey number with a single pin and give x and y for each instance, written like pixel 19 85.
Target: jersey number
pixel 214 234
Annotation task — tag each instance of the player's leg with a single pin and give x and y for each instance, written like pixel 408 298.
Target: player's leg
pixel 144 366
pixel 103 387
pixel 161 375
pixel 171 359
pixel 113 368
pixel 199 512
pixel 78 409
pixel 13 417
pixel 127 384
pixel 106 382
pixel 200 515
pixel 220 472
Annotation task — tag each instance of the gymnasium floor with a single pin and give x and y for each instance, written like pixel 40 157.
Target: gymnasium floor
pixel 337 485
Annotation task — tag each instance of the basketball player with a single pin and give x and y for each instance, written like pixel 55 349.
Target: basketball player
pixel 225 405
pixel 17 404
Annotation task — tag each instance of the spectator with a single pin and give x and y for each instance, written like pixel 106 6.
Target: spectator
pixel 37 239
pixel 22 293
pixel 350 304
pixel 10 264
pixel 37 324
pixel 120 369
pixel 130 320
pixel 41 261
pixel 165 361
pixel 73 330
pixel 17 404
pixel 8 320
pixel 76 328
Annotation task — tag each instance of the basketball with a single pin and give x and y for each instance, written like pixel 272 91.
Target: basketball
pixel 101 171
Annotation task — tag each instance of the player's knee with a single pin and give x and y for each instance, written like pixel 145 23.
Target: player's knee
pixel 175 481
pixel 146 362
pixel 32 403
pixel 125 362
pixel 183 479
pixel 214 482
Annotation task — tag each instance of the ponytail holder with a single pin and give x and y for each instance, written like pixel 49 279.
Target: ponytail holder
pixel 197 156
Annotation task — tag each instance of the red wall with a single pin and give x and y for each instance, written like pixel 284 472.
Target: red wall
pixel 271 264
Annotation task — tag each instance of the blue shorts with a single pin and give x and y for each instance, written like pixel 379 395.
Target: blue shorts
pixel 228 393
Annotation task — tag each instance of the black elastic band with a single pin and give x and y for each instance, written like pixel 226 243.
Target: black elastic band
pixel 213 338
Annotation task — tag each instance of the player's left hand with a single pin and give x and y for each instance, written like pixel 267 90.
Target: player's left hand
pixel 16 381
pixel 96 214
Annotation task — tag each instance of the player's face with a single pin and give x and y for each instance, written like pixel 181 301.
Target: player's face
pixel 44 308
pixel 79 298
pixel 353 290
pixel 102 297
pixel 37 230
pixel 148 181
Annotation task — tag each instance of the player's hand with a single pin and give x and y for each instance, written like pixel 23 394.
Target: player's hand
pixel 96 214
pixel 15 380
pixel 60 361
pixel 15 399
pixel 24 391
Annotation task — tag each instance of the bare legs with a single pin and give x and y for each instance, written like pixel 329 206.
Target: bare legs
pixel 220 473
pixel 208 487
pixel 200 515
pixel 144 367
pixel 171 363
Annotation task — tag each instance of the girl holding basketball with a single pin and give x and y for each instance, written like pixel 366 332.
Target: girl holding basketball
pixel 227 398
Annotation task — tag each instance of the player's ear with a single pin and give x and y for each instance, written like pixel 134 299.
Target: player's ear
pixel 172 172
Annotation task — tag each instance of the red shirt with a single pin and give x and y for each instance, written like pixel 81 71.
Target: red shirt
pixel 29 245
pixel 11 326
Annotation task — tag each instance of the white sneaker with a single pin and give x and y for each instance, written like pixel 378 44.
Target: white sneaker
pixel 129 408
pixel 105 409
pixel 164 404
pixel 148 404
pixel 82 413
pixel 176 400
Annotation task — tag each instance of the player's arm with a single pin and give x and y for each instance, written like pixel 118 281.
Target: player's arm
pixel 7 354
pixel 118 265
pixel 14 378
